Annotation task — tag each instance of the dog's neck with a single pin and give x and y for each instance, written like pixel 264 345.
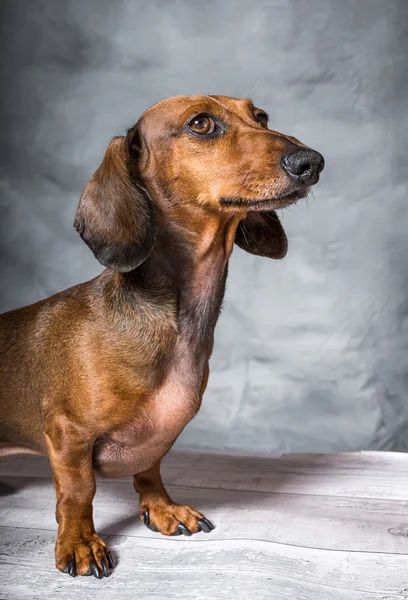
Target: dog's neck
pixel 205 247
pixel 195 249
pixel 187 267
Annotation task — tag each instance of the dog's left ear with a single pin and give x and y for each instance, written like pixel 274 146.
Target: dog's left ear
pixel 261 233
pixel 115 216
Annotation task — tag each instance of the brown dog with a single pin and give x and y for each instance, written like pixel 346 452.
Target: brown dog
pixel 104 376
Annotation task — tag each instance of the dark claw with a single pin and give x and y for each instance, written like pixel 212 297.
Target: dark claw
pixel 105 568
pixel 183 529
pixel 71 568
pixel 205 525
pixel 147 522
pixel 177 532
pixel 95 571
pixel 111 560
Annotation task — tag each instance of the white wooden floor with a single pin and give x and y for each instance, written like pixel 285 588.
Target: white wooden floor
pixel 318 527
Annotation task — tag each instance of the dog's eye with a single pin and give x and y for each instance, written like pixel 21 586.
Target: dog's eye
pixel 262 120
pixel 202 124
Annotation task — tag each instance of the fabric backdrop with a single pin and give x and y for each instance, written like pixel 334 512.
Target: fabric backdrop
pixel 311 352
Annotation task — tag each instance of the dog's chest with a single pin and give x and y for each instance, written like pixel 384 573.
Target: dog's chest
pixel 153 425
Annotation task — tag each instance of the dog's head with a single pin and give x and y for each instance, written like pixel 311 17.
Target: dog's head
pixel 211 153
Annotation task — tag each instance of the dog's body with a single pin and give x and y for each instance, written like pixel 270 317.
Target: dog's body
pixel 115 355
pixel 104 376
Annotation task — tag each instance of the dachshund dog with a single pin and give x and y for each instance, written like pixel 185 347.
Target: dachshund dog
pixel 104 376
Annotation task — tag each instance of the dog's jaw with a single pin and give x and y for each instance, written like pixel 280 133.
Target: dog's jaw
pixel 262 204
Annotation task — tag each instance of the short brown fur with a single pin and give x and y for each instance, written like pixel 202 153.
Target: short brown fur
pixel 104 376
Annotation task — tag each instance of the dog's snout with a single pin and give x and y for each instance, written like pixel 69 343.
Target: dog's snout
pixel 304 165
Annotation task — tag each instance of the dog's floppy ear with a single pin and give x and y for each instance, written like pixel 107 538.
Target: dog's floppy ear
pixel 115 216
pixel 261 233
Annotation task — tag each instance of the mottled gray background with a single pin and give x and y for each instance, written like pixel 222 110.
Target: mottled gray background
pixel 311 352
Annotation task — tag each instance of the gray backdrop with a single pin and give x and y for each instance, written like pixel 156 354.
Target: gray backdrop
pixel 311 352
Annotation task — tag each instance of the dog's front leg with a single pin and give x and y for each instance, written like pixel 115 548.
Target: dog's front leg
pixel 79 550
pixel 160 513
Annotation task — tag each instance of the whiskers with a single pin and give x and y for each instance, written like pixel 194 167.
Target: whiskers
pixel 299 204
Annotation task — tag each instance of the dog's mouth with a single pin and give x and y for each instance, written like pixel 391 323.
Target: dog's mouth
pixel 270 203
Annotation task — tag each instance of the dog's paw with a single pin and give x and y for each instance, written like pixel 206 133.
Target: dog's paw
pixel 83 555
pixel 173 519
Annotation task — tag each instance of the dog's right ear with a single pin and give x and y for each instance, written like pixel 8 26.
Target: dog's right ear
pixel 261 233
pixel 115 216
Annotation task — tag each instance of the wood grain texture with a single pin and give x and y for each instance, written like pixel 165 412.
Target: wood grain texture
pixel 301 527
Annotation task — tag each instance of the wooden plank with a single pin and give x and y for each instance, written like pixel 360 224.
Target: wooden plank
pixel 357 475
pixel 360 475
pixel 180 568
pixel 318 527
pixel 379 461
pixel 311 521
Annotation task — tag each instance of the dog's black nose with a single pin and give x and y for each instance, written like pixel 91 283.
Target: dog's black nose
pixel 304 165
